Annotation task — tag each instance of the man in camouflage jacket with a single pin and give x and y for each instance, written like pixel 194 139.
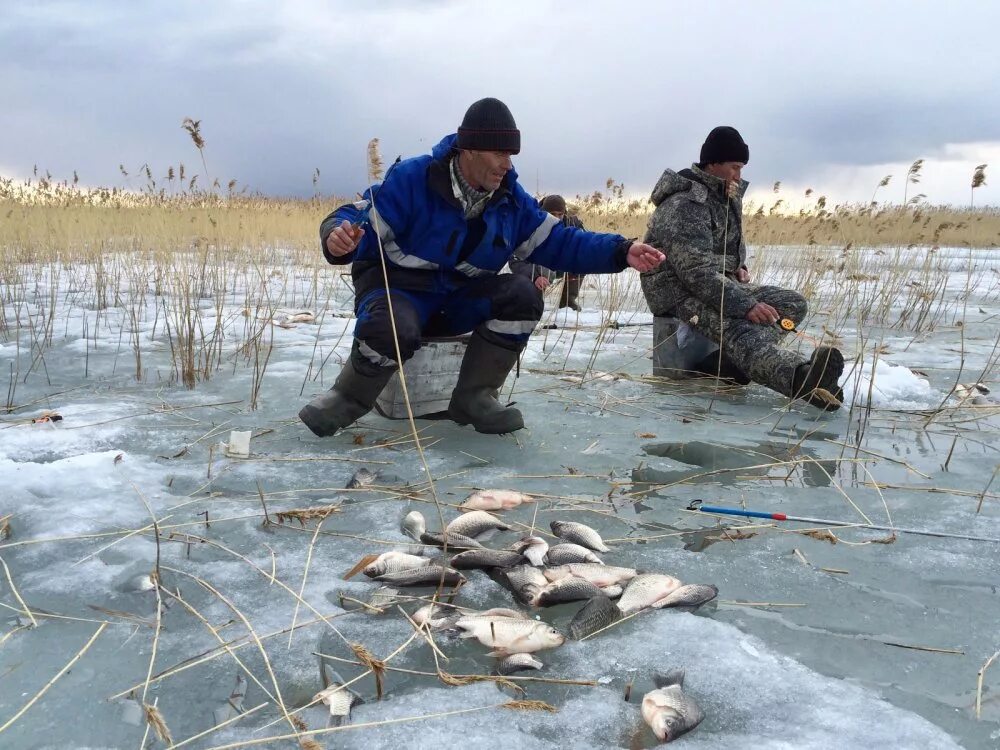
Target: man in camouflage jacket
pixel 698 223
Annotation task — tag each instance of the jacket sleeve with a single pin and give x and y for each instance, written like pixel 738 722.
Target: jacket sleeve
pixel 543 239
pixel 682 229
pixel 387 220
pixel 348 212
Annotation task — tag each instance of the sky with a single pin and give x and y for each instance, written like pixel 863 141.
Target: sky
pixel 831 96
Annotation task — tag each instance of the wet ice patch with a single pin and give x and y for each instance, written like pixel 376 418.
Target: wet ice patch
pixel 752 696
pixel 890 387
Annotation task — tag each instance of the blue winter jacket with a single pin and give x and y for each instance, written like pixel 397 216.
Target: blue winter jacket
pixel 430 246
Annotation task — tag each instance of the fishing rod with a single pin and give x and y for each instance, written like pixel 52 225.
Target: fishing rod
pixel 696 505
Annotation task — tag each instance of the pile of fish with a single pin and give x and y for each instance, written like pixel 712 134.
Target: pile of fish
pixel 538 574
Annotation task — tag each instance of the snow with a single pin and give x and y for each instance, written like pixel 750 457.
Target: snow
pixel 888 386
pixel 790 656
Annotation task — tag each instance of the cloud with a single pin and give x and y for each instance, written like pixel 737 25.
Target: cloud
pixel 282 89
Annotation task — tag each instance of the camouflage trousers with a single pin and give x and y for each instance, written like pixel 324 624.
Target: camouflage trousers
pixel 755 349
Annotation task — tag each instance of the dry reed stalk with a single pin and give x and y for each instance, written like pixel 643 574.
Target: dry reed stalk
pixel 824 535
pixel 302 515
pixel 979 683
pixel 305 572
pixel 221 725
pixel 246 623
pixel 34 699
pixel 376 666
pixel 530 706
pixel 17 594
pixel 155 719
pixel 225 647
pixel 352 727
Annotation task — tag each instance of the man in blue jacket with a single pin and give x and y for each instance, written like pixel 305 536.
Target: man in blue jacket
pixel 427 245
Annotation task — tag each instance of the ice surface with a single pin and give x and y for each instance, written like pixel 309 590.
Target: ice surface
pixel 806 646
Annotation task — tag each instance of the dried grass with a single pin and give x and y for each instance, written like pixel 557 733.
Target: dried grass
pixel 306 514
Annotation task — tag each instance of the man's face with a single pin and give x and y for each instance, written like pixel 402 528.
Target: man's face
pixel 731 171
pixel 558 214
pixel 486 169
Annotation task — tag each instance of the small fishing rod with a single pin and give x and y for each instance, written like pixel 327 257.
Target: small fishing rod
pixel 727 511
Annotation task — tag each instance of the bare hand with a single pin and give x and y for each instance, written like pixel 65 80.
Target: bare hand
pixel 763 314
pixel 742 275
pixel 344 239
pixel 541 283
pixel 644 257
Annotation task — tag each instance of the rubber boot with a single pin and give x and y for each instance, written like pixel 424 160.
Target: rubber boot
pixel 474 401
pixel 726 370
pixel 570 291
pixel 352 396
pixel 816 381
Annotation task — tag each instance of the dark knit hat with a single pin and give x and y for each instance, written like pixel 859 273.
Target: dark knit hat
pixel 489 126
pixel 724 144
pixel 552 203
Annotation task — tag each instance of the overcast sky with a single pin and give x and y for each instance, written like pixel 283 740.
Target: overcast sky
pixel 829 95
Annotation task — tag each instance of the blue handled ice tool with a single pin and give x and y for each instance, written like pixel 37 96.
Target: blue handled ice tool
pixel 726 511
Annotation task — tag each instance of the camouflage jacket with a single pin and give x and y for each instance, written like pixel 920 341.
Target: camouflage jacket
pixel 704 246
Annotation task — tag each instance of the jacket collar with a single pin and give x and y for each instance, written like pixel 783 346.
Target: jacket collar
pixel 715 185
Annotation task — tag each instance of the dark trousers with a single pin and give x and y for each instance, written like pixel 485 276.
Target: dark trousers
pixel 503 309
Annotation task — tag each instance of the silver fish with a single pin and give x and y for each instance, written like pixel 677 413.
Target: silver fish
pixel 362 478
pixel 486 558
pixel 614 591
pixel 596 614
pixel 454 541
pixel 413 525
pixel 444 616
pixel 565 553
pixel 495 500
pixel 532 547
pixel 568 589
pixel 435 616
pixel 339 699
pixel 429 575
pixel 689 595
pixel 579 533
pixel 517 663
pixel 668 710
pixel 599 575
pixel 509 635
pixel 645 591
pixel 393 562
pixel 475 523
pixel 379 600
pixel 523 581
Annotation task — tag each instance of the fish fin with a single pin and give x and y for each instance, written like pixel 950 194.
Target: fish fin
pixel 498 654
pixel 465 633
pixel 673 677
pixel 363 563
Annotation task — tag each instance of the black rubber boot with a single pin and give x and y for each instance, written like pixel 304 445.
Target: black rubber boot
pixel 352 396
pixel 474 401
pixel 726 370
pixel 570 291
pixel 816 381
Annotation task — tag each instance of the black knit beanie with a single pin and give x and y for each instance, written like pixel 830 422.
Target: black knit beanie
pixel 724 144
pixel 489 126
pixel 552 203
